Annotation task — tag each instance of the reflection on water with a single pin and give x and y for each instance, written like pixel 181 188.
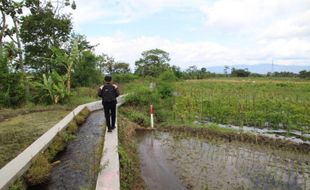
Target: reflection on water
pixel 201 164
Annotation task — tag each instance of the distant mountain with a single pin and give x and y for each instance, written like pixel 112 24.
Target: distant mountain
pixel 262 68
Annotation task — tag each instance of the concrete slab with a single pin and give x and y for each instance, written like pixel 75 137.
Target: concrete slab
pixel 108 177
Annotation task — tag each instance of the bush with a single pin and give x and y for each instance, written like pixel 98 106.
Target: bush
pixel 165 90
pixel 39 171
pixel 140 96
pixel 139 118
pixel 168 76
pixel 124 78
pixel 12 92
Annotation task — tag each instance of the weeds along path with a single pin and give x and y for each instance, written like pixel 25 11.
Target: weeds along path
pixel 79 162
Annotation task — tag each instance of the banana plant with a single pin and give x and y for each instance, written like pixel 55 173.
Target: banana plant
pixel 53 87
pixel 67 60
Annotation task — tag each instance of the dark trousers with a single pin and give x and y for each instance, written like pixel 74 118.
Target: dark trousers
pixel 109 112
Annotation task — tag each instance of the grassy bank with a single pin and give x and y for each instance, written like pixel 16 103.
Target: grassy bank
pixel 129 161
pixel 20 127
pixel 17 133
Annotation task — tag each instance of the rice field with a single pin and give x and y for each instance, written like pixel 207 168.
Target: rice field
pixel 262 103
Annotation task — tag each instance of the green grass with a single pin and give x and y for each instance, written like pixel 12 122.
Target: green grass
pixel 20 127
pixel 251 102
pixel 130 173
pixel 260 102
pixel 82 95
pixel 16 133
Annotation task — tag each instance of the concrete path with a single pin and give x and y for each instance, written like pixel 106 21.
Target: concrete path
pixel 109 176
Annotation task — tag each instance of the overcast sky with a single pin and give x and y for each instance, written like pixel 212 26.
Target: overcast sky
pixel 199 32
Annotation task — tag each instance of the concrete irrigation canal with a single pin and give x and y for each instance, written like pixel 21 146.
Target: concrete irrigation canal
pixel 168 160
pixel 78 163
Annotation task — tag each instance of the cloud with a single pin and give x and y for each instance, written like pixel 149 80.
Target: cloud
pixel 256 16
pixel 261 31
pixel 205 53
pixel 124 11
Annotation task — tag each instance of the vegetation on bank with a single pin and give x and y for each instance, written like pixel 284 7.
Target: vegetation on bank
pixel 130 174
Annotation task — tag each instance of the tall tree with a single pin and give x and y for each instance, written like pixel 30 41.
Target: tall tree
pixel 152 63
pixel 86 72
pixel 106 64
pixel 121 67
pixel 43 29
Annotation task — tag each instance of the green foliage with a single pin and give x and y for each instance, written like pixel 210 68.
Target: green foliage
pixel 141 118
pixel 39 171
pixel 165 90
pixel 19 184
pixel 152 63
pixel 85 72
pixel 126 167
pixel 240 72
pixel 262 104
pixel 168 76
pixel 130 175
pixel 58 145
pixel 52 89
pixel 140 95
pixel 11 87
pixel 304 74
pixel 82 95
pixel 124 78
pixel 108 65
pixel 40 31
pixel 68 60
pixel 192 72
pixel 121 67
pixel 82 116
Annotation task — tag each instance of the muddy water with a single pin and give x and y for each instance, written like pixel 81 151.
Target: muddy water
pixel 174 161
pixel 77 169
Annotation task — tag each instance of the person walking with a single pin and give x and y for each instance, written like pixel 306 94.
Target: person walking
pixel 109 92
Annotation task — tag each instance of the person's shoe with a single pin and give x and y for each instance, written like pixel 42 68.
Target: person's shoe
pixel 113 128
pixel 109 130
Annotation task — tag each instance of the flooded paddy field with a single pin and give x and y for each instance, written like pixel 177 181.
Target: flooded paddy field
pixel 79 162
pixel 177 161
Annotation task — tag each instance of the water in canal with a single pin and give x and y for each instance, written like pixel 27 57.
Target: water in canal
pixel 78 163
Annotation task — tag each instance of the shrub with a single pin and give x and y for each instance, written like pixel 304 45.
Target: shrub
pixel 165 90
pixel 140 96
pixel 168 76
pixel 139 118
pixel 12 92
pixel 81 117
pixel 39 171
pixel 124 78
